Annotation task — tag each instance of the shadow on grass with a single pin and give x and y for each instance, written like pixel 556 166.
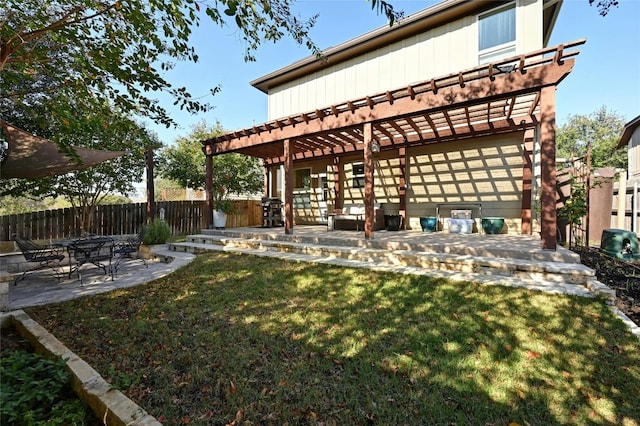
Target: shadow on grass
pixel 247 339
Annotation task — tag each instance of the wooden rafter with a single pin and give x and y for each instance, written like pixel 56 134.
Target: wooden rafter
pixel 431 124
pixel 414 126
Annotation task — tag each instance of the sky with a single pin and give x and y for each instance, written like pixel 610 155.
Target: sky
pixel 606 73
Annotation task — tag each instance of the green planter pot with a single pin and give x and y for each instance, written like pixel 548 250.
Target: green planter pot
pixel 492 225
pixel 620 243
pixel 429 224
pixel 393 222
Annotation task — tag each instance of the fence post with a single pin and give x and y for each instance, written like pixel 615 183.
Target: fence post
pixel 622 200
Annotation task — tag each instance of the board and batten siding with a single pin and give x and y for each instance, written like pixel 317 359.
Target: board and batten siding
pixel 634 154
pixel 449 48
pixel 485 170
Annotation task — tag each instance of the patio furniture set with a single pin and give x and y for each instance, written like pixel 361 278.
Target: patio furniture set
pixel 104 252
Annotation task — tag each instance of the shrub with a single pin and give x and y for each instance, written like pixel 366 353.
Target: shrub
pixel 158 232
pixel 36 390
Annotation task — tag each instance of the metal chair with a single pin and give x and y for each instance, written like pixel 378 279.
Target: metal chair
pixel 95 250
pixel 45 256
pixel 124 249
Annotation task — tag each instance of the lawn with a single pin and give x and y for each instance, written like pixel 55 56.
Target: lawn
pixel 238 339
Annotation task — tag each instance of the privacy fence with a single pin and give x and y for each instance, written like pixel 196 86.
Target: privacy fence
pixel 183 217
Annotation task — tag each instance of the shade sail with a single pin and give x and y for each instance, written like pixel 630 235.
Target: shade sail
pixel 29 156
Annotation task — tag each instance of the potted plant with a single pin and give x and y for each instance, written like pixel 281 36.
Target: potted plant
pixel 221 208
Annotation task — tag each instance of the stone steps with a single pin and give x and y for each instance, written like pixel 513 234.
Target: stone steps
pixel 566 277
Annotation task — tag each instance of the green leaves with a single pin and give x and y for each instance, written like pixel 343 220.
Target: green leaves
pixel 184 163
pixel 35 389
pixel 601 129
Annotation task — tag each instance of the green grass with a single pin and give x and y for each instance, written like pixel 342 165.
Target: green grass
pixel 237 338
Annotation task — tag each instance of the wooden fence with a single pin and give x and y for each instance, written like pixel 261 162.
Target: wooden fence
pixel 183 217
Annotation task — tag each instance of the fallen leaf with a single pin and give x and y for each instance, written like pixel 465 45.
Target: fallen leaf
pixel 232 386
pixel 533 355
pixel 206 415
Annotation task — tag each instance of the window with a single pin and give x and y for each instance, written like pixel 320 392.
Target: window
pixel 302 179
pixel 497 34
pixel 358 175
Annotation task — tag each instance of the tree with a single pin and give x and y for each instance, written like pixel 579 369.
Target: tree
pixel 602 130
pixel 120 49
pixel 233 174
pixel 86 189
pixel 604 5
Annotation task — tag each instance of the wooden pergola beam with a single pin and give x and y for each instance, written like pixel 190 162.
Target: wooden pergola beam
pixel 445 98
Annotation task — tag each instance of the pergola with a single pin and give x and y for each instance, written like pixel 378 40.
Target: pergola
pixel 516 94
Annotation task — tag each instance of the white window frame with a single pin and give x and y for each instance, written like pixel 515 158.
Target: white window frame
pixel 503 50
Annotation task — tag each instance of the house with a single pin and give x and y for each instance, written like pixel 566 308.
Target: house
pixel 627 190
pixel 631 138
pixel 452 107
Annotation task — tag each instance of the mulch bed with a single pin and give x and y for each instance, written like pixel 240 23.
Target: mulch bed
pixel 620 275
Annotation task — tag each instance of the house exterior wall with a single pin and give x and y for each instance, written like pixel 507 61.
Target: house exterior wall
pixel 309 204
pixel 484 170
pixel 442 50
pixel 634 155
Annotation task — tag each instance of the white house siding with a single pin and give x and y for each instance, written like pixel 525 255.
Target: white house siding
pixel 634 155
pixel 529 36
pixel 485 170
pixel 443 50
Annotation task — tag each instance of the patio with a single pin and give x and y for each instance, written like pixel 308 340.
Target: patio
pixel 507 260
pixel 42 288
pixel 470 257
pixel 475 244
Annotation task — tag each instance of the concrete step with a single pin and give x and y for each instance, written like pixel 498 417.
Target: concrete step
pixel 514 271
pixel 497 246
pixel 546 286
pixel 570 273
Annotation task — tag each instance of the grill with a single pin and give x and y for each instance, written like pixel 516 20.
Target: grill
pixel 271 212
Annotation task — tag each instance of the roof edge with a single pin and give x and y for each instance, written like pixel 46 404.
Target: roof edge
pixel 628 131
pixel 371 40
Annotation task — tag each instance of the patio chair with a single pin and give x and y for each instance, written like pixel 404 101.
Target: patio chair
pixel 124 249
pixel 43 255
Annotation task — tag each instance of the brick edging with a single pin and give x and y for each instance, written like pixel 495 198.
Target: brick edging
pixel 110 405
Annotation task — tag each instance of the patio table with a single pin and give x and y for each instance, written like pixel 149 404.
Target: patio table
pixel 96 250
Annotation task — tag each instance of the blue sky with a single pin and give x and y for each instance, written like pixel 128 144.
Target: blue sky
pixel 607 70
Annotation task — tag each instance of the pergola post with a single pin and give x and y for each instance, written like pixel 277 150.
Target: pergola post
pixel 267 180
pixel 368 181
pixel 338 168
pixel 402 191
pixel 527 180
pixel 209 186
pixel 548 165
pixel 288 188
